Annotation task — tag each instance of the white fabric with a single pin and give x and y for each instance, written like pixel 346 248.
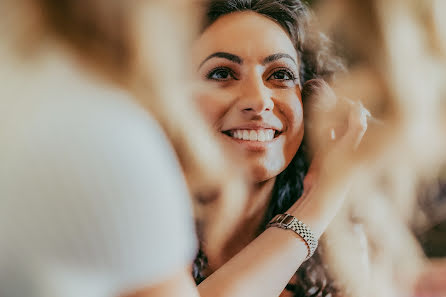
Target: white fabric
pixel 92 200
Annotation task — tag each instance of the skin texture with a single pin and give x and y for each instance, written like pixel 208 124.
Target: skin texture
pixel 258 88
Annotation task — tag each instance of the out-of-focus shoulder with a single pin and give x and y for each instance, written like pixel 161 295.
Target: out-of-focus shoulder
pixel 83 161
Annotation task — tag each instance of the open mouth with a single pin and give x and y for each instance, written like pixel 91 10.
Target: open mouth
pixel 260 135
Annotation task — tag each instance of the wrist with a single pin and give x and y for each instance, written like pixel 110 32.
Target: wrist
pixel 308 211
pixel 320 205
pixel 287 221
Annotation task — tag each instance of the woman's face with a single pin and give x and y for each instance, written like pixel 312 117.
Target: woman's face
pixel 252 98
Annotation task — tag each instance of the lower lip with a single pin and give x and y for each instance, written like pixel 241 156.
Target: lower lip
pixel 255 146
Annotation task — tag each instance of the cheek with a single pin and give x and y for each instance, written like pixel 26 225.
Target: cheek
pixel 213 105
pixel 290 109
pixel 293 115
pixel 207 108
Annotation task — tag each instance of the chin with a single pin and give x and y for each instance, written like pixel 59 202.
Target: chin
pixel 262 174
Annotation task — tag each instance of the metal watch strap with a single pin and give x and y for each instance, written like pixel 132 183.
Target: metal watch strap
pixel 287 221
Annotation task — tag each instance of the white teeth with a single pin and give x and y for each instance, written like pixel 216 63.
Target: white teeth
pixel 245 135
pixel 260 135
pixel 270 133
pixel 253 135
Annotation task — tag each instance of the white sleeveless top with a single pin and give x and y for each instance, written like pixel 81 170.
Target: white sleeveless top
pixel 92 200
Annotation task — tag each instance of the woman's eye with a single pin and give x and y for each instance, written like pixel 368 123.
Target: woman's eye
pixel 282 75
pixel 221 74
pixel 283 78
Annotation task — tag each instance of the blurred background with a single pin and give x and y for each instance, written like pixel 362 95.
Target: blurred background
pixel 358 30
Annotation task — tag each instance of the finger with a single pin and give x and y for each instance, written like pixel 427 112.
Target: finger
pixel 357 126
pixel 318 96
pixel 319 100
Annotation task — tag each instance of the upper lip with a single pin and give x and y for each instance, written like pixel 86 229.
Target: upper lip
pixel 254 126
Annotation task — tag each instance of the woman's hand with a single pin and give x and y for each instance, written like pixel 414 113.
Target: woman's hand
pixel 337 127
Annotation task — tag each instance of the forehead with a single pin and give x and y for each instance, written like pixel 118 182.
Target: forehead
pixel 246 34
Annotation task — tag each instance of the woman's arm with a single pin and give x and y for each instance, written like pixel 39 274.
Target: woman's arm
pixel 179 284
pixel 264 267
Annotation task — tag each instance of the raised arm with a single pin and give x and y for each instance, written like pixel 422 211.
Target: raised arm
pixel 265 266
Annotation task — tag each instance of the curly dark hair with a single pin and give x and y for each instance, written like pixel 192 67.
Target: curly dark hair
pixel 317 61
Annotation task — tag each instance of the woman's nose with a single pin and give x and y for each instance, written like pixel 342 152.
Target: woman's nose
pixel 256 97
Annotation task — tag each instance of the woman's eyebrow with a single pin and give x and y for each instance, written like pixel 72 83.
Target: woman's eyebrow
pixel 228 56
pixel 278 56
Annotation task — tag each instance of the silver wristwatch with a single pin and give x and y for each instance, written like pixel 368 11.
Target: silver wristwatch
pixel 287 221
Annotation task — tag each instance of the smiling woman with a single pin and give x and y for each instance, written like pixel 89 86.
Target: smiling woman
pixel 258 107
pixel 253 58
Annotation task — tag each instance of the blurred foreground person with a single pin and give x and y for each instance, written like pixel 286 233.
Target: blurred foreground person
pixel 92 198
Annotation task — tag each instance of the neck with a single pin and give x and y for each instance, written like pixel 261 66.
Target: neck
pixel 254 214
pixel 248 227
pixel 258 201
